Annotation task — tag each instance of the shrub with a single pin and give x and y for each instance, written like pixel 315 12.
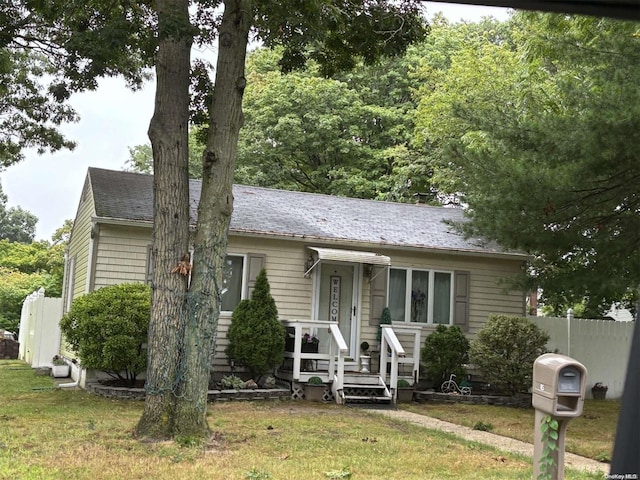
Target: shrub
pixel 445 351
pixel 505 350
pixel 107 329
pixel 256 336
pixel 385 319
pixel 229 382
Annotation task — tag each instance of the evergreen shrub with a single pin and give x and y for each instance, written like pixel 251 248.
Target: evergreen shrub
pixel 256 336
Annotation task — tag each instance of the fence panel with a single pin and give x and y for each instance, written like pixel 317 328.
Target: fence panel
pixel 39 335
pixel 602 346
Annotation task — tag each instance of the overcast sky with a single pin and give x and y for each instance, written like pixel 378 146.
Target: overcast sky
pixel 112 119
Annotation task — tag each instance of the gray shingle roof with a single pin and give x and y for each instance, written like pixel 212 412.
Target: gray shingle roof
pixel 129 196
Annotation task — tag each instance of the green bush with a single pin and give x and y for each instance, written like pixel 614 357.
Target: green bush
pixel 505 350
pixel 107 329
pixel 256 336
pixel 385 319
pixel 445 351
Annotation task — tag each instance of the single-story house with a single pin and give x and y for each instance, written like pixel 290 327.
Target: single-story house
pixel 328 259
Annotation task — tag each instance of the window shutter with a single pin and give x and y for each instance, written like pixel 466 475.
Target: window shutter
pixel 461 300
pixel 378 298
pixel 255 262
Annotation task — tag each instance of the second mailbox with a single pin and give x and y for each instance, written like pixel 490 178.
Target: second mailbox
pixel 559 384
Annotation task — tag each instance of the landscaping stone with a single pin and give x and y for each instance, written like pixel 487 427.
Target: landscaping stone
pixel 213 395
pixel 522 401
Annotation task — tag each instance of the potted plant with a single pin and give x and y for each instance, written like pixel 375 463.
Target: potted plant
pixel 60 368
pixel 405 391
pixel 599 391
pixel 310 343
pixel 314 390
pixel 365 358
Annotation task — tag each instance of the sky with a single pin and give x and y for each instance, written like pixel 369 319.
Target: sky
pixel 112 119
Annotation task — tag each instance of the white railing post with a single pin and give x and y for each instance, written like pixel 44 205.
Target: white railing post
pixel 297 350
pixel 417 339
pixel 389 336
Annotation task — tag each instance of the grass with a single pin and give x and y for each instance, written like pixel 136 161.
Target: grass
pixel 50 434
pixel 591 435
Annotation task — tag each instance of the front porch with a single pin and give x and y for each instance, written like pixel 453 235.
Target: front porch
pixel 317 348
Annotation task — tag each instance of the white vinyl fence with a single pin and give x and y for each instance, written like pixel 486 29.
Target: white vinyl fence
pixel 602 346
pixel 39 335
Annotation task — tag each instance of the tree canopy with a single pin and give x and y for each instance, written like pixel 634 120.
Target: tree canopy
pixel 536 136
pixel 48 50
pixel 346 135
pixel 16 224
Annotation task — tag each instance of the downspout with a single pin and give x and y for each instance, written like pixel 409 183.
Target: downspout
pixel 76 383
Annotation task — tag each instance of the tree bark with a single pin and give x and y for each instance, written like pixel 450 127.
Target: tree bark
pixel 215 208
pixel 168 132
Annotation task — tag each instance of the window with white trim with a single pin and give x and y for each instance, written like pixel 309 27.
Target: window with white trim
pixel 421 296
pixel 232 282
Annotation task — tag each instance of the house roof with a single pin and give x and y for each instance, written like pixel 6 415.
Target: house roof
pixel 265 211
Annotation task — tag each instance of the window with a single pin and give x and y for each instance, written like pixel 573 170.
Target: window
pixel 233 277
pixel 232 281
pixel 420 296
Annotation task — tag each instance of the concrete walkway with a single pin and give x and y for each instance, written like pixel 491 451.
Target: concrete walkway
pixel 572 461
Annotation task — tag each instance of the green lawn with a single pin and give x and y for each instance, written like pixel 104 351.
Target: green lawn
pixel 591 435
pixel 56 434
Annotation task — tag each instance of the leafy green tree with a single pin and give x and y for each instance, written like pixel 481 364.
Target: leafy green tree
pixel 346 135
pixel 141 156
pixel 445 351
pixel 504 351
pixel 14 288
pixel 256 336
pixel 108 329
pixel 48 50
pixel 496 120
pixel 26 268
pixel 16 224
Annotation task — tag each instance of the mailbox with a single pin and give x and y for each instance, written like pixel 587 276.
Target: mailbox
pixel 559 384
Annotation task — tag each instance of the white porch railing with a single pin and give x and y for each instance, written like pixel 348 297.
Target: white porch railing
pixel 333 358
pixel 328 362
pixel 398 354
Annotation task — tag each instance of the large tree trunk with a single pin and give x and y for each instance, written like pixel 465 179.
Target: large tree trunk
pixel 216 205
pixel 168 133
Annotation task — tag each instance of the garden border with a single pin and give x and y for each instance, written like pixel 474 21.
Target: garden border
pixel 520 401
pixel 125 393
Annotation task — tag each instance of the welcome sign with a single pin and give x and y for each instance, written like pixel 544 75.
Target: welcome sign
pixel 334 299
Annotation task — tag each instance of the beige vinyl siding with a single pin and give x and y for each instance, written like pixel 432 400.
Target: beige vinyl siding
pixel 75 280
pixel 79 246
pixel 121 255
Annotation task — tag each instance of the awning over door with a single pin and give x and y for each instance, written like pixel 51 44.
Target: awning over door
pixel 350 256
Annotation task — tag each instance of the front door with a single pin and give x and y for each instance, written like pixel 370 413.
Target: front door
pixel 338 300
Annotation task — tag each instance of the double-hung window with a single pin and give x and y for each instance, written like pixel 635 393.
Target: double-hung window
pixel 421 296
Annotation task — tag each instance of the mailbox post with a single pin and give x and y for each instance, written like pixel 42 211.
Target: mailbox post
pixel 559 384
